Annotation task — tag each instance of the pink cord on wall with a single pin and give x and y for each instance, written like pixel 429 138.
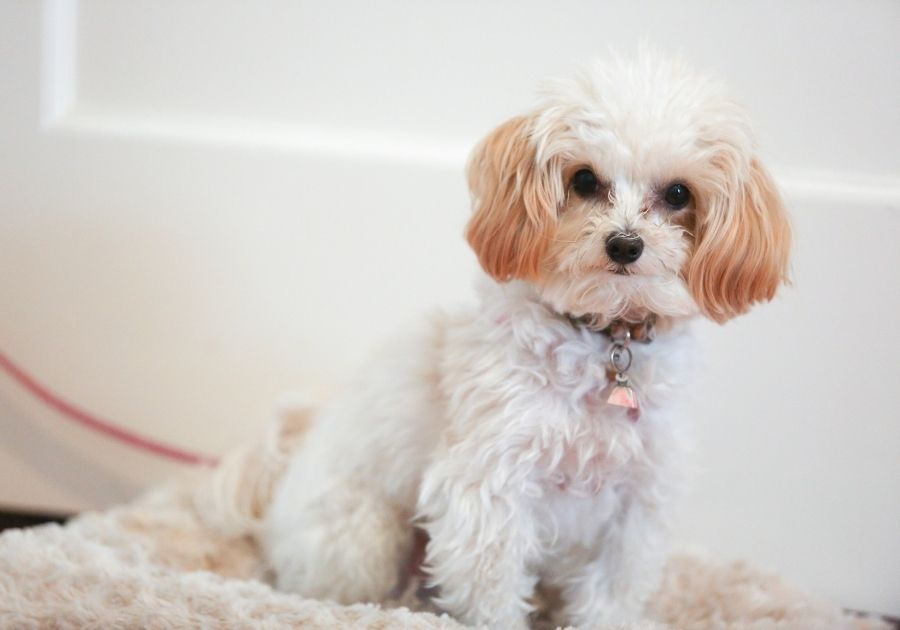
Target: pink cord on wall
pixel 108 429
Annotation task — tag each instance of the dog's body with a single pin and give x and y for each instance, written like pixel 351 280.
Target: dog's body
pixel 489 425
pixel 489 428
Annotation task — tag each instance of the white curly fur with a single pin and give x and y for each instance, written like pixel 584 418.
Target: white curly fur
pixel 486 427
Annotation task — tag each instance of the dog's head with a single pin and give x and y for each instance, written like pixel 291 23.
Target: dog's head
pixel 632 189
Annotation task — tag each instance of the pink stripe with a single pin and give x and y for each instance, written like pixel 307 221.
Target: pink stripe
pixel 101 426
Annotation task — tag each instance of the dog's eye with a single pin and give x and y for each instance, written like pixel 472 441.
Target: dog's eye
pixel 585 183
pixel 677 196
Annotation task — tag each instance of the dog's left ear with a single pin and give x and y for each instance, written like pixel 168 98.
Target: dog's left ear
pixel 515 202
pixel 742 247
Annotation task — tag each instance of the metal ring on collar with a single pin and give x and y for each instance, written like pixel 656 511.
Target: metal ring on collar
pixel 619 352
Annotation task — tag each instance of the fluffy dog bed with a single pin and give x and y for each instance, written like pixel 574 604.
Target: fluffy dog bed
pixel 186 557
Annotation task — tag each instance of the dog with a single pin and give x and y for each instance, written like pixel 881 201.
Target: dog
pixel 536 439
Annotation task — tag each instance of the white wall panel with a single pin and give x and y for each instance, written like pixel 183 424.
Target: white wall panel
pixel 815 74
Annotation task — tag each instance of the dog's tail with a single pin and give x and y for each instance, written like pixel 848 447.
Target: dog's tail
pixel 234 498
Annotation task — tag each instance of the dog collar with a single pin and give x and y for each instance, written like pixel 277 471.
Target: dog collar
pixel 620 392
pixel 643 331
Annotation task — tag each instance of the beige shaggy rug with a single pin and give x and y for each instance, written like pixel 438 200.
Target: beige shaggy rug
pixel 185 557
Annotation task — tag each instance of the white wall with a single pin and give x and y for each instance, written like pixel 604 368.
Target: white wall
pixel 206 204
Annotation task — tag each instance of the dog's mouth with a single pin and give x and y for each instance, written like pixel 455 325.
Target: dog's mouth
pixel 622 270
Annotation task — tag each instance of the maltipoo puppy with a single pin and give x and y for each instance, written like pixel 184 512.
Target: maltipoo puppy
pixel 534 437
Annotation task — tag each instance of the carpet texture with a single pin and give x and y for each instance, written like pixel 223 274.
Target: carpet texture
pixel 185 557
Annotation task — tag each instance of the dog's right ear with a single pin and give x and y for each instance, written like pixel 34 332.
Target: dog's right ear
pixel 515 202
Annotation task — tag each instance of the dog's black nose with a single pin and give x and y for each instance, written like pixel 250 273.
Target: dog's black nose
pixel 624 248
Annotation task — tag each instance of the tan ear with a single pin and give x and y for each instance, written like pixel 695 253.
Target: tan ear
pixel 743 243
pixel 515 203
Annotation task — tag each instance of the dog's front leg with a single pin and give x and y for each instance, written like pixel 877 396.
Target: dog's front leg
pixel 481 541
pixel 614 586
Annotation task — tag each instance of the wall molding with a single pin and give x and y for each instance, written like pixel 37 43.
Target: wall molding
pixel 59 58
pixel 859 189
pixel 299 138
